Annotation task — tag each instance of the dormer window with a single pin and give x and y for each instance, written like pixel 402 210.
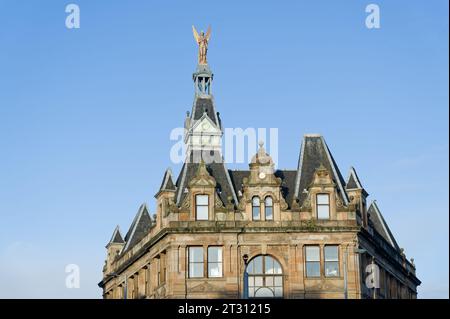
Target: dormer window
pixel 201 207
pixel 323 206
pixel 268 208
pixel 256 208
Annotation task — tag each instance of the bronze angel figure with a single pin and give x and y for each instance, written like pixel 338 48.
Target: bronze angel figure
pixel 202 41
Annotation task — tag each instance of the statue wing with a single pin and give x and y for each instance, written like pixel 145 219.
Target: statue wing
pixel 196 36
pixel 208 33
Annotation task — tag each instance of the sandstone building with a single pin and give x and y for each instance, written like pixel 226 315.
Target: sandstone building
pixel 261 232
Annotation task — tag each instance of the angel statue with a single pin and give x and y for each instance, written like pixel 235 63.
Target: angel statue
pixel 202 41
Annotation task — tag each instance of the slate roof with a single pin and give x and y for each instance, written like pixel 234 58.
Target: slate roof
pixel 353 180
pixel 167 183
pixel 224 188
pixel 380 225
pixel 116 237
pixel 202 105
pixel 287 184
pixel 139 228
pixel 314 152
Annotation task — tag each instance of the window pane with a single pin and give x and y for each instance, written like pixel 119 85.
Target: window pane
pixel 251 281
pixel 257 265
pixel 269 265
pixel 269 281
pixel 202 212
pixel 323 211
pixel 214 269
pixel 255 201
pixel 195 270
pixel 215 254
pixel 251 292
pixel 195 254
pixel 278 292
pixel 258 281
pixel 256 215
pixel 323 199
pixel 331 253
pixel 278 281
pixel 312 253
pixel 313 269
pixel 331 269
pixel 269 213
pixel 202 200
pixel 268 201
pixel 264 292
pixel 277 267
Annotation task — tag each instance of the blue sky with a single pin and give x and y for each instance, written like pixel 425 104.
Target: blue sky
pixel 85 116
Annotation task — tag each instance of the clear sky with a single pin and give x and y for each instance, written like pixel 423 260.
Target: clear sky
pixel 85 116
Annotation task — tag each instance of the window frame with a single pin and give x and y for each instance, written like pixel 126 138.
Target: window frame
pixel 319 262
pixel 337 262
pixel 323 205
pixel 201 205
pixel 268 206
pixel 208 262
pixel 268 279
pixel 254 207
pixel 202 262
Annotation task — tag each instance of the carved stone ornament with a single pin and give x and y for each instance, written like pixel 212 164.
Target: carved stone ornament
pixel 203 287
pixel 217 201
pixel 186 202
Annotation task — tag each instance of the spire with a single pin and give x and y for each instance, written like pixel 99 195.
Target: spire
pixel 116 237
pixel 353 182
pixel 203 127
pixel 167 182
pixel 139 228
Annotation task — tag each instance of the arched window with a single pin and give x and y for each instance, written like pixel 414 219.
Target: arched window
pixel 256 208
pixel 268 208
pixel 265 278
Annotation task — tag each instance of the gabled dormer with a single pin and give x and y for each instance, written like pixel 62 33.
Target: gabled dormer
pixel 322 201
pixel 317 165
pixel 262 199
pixel 199 202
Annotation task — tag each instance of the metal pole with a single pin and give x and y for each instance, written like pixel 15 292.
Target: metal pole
pixel 245 282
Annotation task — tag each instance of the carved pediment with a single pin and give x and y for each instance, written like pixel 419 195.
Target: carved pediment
pixel 202 178
pixel 203 287
pixel 322 177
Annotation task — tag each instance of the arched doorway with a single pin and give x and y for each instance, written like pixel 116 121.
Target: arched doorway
pixel 265 277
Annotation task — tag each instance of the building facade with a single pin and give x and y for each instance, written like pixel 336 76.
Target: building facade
pixel 261 232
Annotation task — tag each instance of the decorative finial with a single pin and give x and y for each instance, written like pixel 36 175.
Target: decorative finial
pixel 202 40
pixel 261 143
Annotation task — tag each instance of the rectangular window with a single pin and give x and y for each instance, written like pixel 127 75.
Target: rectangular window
pixel 312 261
pixel 159 270
pixel 215 261
pixel 195 262
pixel 331 254
pixel 201 207
pixel 323 206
